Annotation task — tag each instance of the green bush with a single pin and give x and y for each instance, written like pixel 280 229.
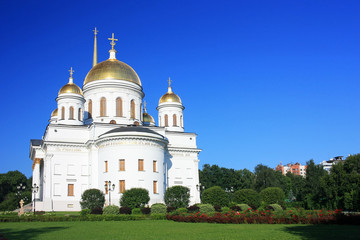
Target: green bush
pixel 85 212
pixel 276 207
pixel 206 208
pixel 272 195
pixel 136 211
pixel 247 196
pixel 243 206
pixel 92 198
pixel 135 198
pixel 158 216
pixel 225 209
pixel 177 196
pixel 215 196
pixel 180 211
pixel 111 210
pixel 158 208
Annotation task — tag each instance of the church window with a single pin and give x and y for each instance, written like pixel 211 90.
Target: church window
pixel 102 107
pixel 106 166
pixel 174 120
pixel 90 108
pixel 70 189
pixel 106 187
pixel 141 165
pixel 166 120
pixel 132 108
pixel 62 113
pixel 154 166
pixel 71 113
pixel 119 110
pixel 122 165
pixel 80 114
pixel 155 187
pixel 181 121
pixel 159 121
pixel 122 186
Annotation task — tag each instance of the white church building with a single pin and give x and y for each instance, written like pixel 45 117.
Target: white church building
pixel 101 133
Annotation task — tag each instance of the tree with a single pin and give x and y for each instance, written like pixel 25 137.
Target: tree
pixel 135 198
pixel 267 177
pixel 92 198
pixel 247 196
pixel 215 196
pixel 177 196
pixel 272 195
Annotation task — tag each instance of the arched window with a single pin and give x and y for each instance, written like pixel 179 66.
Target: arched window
pixel 166 120
pixel 71 113
pixel 132 107
pixel 90 109
pixel 160 121
pixel 174 120
pixel 102 107
pixel 63 113
pixel 119 108
pixel 80 114
pixel 181 121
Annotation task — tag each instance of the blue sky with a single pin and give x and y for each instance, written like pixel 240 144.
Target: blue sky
pixel 262 81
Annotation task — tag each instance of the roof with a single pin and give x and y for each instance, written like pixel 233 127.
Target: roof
pixel 36 142
pixel 132 129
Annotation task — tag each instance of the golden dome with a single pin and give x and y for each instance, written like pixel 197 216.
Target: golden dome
pixel 70 88
pixel 170 97
pixel 112 69
pixel 54 113
pixel 148 118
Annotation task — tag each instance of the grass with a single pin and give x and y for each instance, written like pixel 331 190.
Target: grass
pixel 162 229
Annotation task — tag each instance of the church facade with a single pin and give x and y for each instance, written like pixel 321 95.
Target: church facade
pixel 101 136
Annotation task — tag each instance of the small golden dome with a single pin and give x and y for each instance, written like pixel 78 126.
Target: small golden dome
pixel 112 69
pixel 148 118
pixel 170 97
pixel 54 113
pixel 70 88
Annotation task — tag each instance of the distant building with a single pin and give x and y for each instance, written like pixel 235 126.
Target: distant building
pixel 327 165
pixel 296 169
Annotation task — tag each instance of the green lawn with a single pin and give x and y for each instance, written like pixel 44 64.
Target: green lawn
pixel 162 229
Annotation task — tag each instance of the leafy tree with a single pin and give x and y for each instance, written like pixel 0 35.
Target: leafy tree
pixel 92 198
pixel 177 196
pixel 272 195
pixel 267 177
pixel 295 185
pixel 215 196
pixel 135 198
pixel 247 196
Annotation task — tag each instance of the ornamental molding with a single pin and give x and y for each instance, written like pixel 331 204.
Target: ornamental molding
pixel 65 147
pixel 36 161
pixel 116 141
pixel 183 150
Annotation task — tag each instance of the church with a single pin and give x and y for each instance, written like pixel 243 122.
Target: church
pixel 101 136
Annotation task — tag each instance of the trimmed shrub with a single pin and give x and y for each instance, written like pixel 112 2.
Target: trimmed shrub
pixel 111 210
pixel 125 210
pixel 158 216
pixel 225 209
pixel 92 198
pixel 181 211
pixel 136 211
pixel 206 208
pixel 272 195
pixel 97 210
pixel 158 208
pixel 244 207
pixel 193 208
pixel 177 196
pixel 215 196
pixel 146 210
pixel 170 209
pixel 217 208
pixel 235 208
pixel 276 207
pixel 247 196
pixel 85 212
pixel 135 198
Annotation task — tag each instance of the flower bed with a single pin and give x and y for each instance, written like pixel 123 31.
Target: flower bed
pixel 270 217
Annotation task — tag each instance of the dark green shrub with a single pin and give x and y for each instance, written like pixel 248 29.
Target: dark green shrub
pixel 125 210
pixel 85 212
pixel 97 210
pixel 244 207
pixel 111 210
pixel 206 208
pixel 177 196
pixel 215 196
pixel 158 208
pixel 247 196
pixel 181 211
pixel 193 208
pixel 276 207
pixel 146 210
pixel 92 198
pixel 217 208
pixel 272 195
pixel 158 216
pixel 235 208
pixel 136 211
pixel 135 198
pixel 170 209
pixel 225 209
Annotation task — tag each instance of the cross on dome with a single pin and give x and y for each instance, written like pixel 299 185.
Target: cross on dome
pixel 169 81
pixel 112 41
pixel 95 31
pixel 145 106
pixel 71 75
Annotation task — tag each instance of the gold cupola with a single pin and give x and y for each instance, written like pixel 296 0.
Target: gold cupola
pixel 147 118
pixel 71 87
pixel 54 113
pixel 170 96
pixel 112 69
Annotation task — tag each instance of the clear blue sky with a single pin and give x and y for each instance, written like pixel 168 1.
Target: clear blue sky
pixel 262 81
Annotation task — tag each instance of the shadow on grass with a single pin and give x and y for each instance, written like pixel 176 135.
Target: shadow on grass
pixel 29 233
pixel 324 232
